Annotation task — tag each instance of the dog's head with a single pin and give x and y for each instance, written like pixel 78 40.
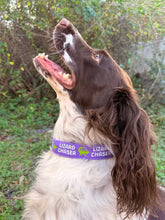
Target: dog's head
pixel 94 71
pixel 104 94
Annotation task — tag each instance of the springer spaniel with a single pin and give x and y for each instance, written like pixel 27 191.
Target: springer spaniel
pixel 99 166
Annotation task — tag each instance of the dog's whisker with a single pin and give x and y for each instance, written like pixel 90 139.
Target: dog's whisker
pixel 57 38
pixel 58 43
pixel 58 52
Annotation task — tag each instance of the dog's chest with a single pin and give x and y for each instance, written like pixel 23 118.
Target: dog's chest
pixel 76 187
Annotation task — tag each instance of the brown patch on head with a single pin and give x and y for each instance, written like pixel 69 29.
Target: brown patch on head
pixel 96 73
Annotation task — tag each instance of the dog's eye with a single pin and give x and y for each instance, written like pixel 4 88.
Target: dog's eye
pixel 96 56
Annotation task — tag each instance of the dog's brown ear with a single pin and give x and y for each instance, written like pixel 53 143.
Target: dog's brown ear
pixel 128 128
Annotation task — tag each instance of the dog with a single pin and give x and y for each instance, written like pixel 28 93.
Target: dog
pixel 100 165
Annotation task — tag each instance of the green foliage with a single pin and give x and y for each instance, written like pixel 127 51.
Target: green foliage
pixel 151 85
pixel 24 135
pixel 157 115
pixel 27 26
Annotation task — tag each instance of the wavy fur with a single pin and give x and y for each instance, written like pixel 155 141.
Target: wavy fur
pixel 128 127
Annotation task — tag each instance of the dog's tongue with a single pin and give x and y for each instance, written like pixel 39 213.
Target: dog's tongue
pixel 53 70
pixel 48 64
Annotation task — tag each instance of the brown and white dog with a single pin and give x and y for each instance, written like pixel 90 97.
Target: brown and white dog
pixel 98 105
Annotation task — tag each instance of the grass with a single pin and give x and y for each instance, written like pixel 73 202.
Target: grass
pixel 157 115
pixel 21 142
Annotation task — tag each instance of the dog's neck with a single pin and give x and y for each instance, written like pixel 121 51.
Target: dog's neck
pixel 71 125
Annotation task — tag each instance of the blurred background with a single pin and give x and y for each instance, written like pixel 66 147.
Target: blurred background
pixel 133 32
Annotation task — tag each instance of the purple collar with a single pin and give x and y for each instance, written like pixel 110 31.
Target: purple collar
pixel 78 151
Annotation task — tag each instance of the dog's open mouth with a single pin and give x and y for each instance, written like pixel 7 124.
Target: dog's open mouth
pixel 54 72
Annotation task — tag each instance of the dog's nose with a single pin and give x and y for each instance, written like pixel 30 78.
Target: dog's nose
pixel 64 22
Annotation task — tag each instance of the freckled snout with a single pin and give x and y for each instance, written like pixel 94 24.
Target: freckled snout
pixel 64 39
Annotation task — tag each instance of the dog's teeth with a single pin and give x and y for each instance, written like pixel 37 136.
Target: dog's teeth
pixel 42 55
pixel 46 56
pixel 66 76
